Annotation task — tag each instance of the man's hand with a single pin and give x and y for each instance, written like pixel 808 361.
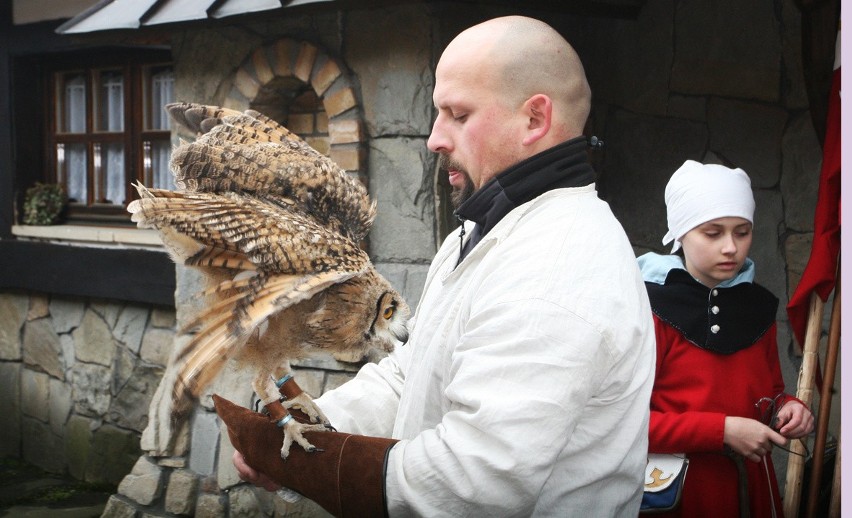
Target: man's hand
pixel 251 475
pixel 794 420
pixel 751 438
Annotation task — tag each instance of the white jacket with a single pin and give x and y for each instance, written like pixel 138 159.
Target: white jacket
pixel 524 387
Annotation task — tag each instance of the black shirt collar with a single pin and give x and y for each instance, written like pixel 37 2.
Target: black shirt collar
pixel 564 165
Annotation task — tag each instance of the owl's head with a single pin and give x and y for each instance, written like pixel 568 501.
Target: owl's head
pixel 363 313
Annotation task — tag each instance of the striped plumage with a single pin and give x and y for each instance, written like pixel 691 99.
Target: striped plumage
pixel 285 222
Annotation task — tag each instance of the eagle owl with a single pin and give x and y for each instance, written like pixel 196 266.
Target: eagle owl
pixel 283 223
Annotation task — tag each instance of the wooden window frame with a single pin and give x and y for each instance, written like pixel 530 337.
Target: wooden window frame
pixel 132 64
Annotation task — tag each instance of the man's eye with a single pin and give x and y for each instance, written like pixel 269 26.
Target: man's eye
pixel 460 118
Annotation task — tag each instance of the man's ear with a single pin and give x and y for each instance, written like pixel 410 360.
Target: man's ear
pixel 539 109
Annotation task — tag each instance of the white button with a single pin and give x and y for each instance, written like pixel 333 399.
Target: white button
pixel 715 310
pixel 714 329
pixel 715 292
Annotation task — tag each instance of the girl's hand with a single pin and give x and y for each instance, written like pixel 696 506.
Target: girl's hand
pixel 751 438
pixel 794 420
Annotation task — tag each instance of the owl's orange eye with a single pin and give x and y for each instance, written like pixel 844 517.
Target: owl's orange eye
pixel 388 313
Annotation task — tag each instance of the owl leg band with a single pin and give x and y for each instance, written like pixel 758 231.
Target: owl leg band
pixel 288 387
pixel 278 414
pixel 347 479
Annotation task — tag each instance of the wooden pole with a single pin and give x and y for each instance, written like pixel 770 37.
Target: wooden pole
pixel 804 391
pixel 834 507
pixel 825 403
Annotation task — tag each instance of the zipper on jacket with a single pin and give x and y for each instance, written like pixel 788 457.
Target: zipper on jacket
pixel 461 238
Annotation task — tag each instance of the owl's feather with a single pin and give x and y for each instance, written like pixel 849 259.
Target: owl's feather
pixel 244 153
pixel 285 222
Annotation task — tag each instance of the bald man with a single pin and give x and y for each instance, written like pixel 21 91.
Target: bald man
pixel 524 387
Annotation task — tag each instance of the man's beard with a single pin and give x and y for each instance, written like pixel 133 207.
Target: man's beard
pixel 459 195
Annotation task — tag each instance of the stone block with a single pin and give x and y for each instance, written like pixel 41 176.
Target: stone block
pixel 748 135
pixel 226 474
pixel 283 54
pixel 181 492
pixel 636 171
pixel 310 380
pixel 130 327
pixel 348 158
pixel 304 63
pixel 301 123
pixel 242 502
pixel 246 84
pixel 339 101
pixel 210 506
pixel 629 62
pixel 59 406
pixel 114 453
pixel 129 407
pixel 35 394
pixel 345 131
pixel 262 68
pixel 90 385
pixel 766 249
pixel 320 144
pixel 322 122
pixel 394 68
pixel 66 314
pixel 157 346
pixel 163 317
pixel 41 447
pixel 13 314
pixel 118 508
pixel 793 89
pixel 93 340
pixel 144 483
pixel 205 438
pixel 69 355
pixel 402 186
pixel 797 250
pixel 39 307
pixel 78 444
pixel 689 107
pixel 108 310
pixel 713 56
pixel 42 349
pixel 10 406
pixel 325 77
pixel 801 159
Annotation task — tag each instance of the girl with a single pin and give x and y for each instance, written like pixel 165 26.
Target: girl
pixel 718 392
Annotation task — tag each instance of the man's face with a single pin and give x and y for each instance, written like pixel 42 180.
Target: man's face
pixel 477 132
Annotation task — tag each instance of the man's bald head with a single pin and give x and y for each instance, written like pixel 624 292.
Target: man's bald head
pixel 521 57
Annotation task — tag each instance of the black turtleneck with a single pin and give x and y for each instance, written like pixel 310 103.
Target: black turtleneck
pixel 564 165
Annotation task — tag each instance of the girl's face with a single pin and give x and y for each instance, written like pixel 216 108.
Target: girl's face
pixel 716 250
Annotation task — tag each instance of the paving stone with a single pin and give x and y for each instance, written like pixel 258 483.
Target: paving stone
pixel 42 349
pixel 13 314
pixel 93 340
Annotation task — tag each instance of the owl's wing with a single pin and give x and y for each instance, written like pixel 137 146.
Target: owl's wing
pixel 292 255
pixel 227 325
pixel 251 153
pixel 224 229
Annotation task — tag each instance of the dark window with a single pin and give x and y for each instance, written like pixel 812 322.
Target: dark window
pixel 107 129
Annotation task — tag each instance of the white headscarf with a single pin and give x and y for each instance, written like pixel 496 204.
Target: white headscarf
pixel 698 193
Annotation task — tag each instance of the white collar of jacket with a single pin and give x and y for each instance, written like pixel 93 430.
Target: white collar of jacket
pixel 655 268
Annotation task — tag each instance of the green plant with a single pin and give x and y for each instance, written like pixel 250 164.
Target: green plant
pixel 43 204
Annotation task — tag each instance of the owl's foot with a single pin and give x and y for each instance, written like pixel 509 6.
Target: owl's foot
pixel 293 431
pixel 295 397
pixel 304 403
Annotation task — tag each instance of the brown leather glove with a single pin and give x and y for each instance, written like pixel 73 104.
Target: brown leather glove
pixel 347 478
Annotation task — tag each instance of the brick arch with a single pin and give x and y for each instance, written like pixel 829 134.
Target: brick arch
pixel 271 68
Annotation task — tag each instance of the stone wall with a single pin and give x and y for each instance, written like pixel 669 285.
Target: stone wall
pixel 77 377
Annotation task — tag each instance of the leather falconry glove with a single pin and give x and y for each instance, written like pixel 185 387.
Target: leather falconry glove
pixel 346 478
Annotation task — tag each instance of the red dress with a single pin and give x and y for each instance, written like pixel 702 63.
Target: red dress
pixel 728 363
